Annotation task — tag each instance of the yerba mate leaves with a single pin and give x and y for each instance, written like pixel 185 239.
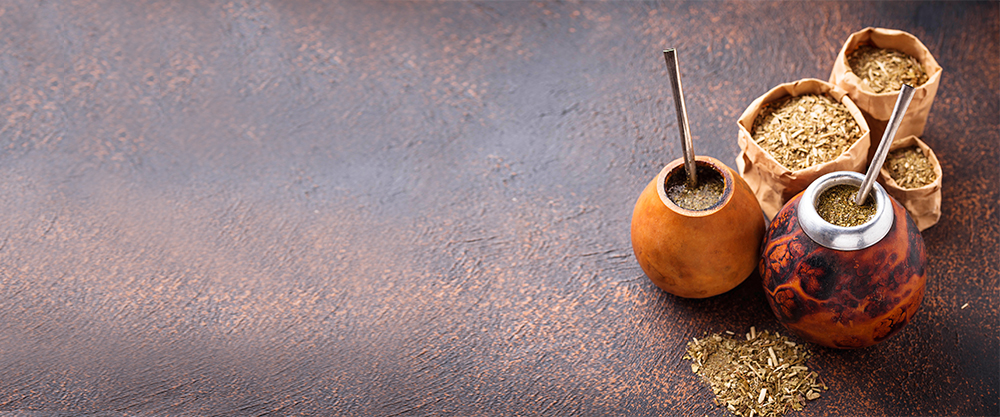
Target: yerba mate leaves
pixel 885 70
pixel 910 167
pixel 836 206
pixel 806 130
pixel 763 375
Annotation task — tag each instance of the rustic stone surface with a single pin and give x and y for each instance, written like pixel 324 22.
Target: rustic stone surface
pixel 417 208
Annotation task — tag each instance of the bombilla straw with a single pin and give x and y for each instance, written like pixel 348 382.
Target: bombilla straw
pixel 673 70
pixel 905 95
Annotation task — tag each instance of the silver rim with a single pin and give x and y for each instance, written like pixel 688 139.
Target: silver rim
pixel 839 237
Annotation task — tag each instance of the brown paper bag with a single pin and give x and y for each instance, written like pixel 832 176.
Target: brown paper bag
pixel 773 183
pixel 878 107
pixel 924 203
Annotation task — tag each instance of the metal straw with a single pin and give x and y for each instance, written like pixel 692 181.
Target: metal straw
pixel 905 95
pixel 673 70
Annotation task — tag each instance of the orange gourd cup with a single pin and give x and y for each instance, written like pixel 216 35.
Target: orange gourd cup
pixel 697 254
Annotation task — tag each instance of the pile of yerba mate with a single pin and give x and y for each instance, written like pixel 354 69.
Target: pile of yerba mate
pixel 764 375
pixel 910 168
pixel 806 130
pixel 885 70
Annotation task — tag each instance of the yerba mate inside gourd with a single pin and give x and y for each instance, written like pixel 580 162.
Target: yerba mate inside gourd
pixel 806 130
pixel 702 196
pixel 885 70
pixel 910 167
pixel 836 206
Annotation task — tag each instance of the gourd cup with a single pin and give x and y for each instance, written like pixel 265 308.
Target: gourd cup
pixel 697 253
pixel 843 287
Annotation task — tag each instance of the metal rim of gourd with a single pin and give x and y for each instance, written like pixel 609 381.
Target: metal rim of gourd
pixel 678 165
pixel 839 237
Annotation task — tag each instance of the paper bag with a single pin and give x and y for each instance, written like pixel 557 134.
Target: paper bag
pixel 877 107
pixel 923 203
pixel 773 183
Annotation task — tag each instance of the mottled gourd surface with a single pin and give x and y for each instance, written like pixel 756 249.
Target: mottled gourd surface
pixel 843 299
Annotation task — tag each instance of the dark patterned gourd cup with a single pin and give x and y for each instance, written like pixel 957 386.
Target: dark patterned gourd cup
pixel 843 287
pixel 697 253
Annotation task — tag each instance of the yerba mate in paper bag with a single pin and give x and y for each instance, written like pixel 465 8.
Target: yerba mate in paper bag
pixel 877 106
pixel 921 200
pixel 774 182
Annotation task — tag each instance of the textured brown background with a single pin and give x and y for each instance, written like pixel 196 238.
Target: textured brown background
pixel 419 208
